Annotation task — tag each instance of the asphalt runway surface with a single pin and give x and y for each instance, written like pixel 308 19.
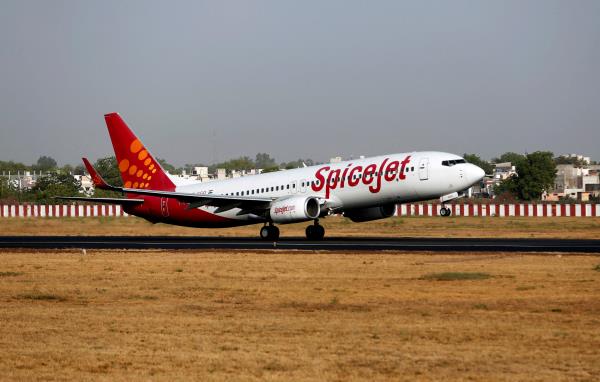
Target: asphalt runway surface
pixel 298 243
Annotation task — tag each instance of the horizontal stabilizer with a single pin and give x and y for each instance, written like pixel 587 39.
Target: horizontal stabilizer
pixel 121 201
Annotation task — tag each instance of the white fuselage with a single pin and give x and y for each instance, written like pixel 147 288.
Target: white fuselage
pixel 360 183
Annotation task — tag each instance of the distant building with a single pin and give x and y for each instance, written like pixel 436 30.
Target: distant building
pixel 573 182
pixel 503 171
pixel 221 174
pixel 22 180
pixel 87 185
pixel 579 158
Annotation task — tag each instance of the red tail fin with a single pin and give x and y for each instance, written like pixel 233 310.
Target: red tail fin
pixel 139 169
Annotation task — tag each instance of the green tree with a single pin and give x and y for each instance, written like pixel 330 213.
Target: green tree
pixel 535 174
pixel 270 169
pixel 241 163
pixel 12 167
pixel 109 170
pixel 297 163
pixel 477 161
pixel 67 169
pixel 79 170
pixel 568 160
pixel 509 157
pixel 7 190
pixel 54 184
pixel 45 163
pixel 168 167
pixel 264 160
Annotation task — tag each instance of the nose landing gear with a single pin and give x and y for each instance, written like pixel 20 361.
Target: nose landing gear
pixel 269 232
pixel 445 211
pixel 315 231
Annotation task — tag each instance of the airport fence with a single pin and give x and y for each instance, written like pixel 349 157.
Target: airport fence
pixel 412 209
pixel 60 210
pixel 502 210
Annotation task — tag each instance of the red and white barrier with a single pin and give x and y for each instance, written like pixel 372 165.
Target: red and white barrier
pixel 417 209
pixel 60 210
pixel 526 210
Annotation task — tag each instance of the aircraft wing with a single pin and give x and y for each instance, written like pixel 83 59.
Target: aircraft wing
pixel 222 202
pixel 197 200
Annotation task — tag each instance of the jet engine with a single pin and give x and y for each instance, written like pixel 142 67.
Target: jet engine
pixel 371 213
pixel 294 209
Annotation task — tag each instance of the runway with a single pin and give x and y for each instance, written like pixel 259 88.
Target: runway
pixel 298 243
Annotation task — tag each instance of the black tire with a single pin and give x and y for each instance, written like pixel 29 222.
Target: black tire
pixel 274 233
pixel 269 232
pixel 265 233
pixel 319 232
pixel 310 232
pixel 315 232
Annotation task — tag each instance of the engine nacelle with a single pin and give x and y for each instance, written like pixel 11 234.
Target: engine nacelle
pixel 295 209
pixel 371 213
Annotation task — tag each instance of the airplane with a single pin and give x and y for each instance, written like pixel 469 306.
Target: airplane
pixel 362 189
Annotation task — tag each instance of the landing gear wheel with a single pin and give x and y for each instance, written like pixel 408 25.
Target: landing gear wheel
pixel 315 232
pixel 445 211
pixel 269 232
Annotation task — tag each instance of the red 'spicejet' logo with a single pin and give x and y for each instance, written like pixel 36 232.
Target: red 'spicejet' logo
pixel 284 209
pixel 369 175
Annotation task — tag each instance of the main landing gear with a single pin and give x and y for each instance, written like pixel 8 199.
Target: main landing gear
pixel 269 232
pixel 315 231
pixel 445 211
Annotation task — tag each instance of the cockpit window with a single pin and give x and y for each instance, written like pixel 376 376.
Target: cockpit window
pixel 453 162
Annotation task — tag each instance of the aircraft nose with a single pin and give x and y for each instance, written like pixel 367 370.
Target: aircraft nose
pixel 475 173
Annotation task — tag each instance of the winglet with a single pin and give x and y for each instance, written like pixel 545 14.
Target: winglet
pixel 96 178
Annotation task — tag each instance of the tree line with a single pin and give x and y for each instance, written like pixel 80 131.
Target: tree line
pixel 535 173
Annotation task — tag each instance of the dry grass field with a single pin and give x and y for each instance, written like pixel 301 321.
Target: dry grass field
pixel 299 316
pixel 563 227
